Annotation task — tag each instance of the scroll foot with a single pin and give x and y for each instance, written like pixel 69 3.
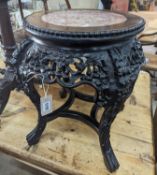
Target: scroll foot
pixel 34 136
pixel 110 160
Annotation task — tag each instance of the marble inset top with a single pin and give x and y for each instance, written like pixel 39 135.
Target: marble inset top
pixel 85 18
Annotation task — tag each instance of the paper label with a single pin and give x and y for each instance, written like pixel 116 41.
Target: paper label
pixel 46 105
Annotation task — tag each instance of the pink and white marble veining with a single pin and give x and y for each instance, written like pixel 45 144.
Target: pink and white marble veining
pixel 83 18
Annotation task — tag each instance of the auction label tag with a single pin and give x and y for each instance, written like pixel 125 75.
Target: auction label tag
pixel 46 105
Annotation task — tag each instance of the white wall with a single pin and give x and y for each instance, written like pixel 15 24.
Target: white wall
pixel 56 4
pixel 84 3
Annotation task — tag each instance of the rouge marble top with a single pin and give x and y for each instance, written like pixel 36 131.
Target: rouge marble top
pixel 86 18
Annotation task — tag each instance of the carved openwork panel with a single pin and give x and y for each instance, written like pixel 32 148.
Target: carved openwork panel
pixel 110 70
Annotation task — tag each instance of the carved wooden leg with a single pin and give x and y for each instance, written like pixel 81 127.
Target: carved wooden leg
pixel 34 136
pixel 63 92
pixel 4 94
pixel 11 79
pixel 104 135
pixel 94 111
pixel 6 85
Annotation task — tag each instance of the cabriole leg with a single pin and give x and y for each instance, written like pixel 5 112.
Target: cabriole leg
pixel 104 136
pixel 34 136
pixel 7 84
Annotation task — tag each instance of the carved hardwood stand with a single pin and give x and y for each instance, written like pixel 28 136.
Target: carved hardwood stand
pixel 108 60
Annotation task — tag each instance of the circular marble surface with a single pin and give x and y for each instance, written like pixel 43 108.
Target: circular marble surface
pixel 86 18
pixel 83 26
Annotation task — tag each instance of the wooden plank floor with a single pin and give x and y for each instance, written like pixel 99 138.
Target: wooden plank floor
pixel 70 147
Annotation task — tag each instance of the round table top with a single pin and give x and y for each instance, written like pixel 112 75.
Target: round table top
pixel 83 25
